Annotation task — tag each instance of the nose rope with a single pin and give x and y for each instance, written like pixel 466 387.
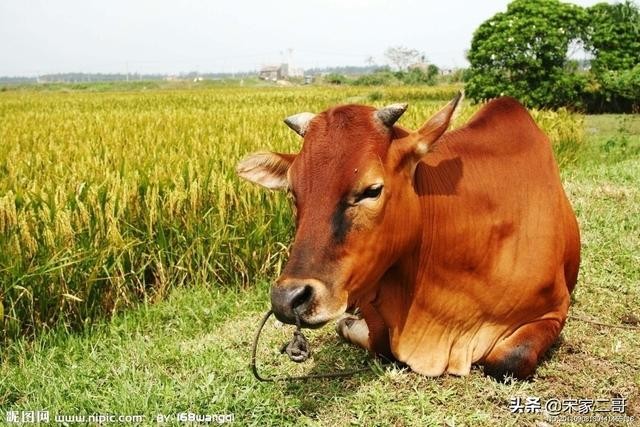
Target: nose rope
pixel 298 348
pixel 298 351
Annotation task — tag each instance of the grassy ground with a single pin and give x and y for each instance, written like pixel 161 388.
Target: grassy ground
pixel 190 352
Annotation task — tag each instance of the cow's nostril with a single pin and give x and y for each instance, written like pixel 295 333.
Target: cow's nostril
pixel 302 296
pixel 284 300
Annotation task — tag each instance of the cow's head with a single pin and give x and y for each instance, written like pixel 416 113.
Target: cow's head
pixel 357 211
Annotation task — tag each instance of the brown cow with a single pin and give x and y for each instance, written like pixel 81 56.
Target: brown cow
pixel 456 248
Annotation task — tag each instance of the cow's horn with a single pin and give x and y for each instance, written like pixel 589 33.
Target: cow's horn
pixel 299 122
pixel 390 114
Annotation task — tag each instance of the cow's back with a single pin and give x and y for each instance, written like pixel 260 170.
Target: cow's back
pixel 492 190
pixel 500 245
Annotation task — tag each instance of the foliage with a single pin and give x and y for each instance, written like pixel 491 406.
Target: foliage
pixel 614 91
pixel 379 78
pixel 417 75
pixel 335 79
pixel 614 36
pixel 523 53
pixel 412 76
pixel 458 75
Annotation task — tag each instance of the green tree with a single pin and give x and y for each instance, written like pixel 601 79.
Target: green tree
pixel 522 52
pixel 614 38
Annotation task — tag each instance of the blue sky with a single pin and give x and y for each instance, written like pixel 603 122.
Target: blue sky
pixel 47 36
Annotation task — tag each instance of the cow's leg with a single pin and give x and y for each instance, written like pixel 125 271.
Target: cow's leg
pixel 518 354
pixel 368 331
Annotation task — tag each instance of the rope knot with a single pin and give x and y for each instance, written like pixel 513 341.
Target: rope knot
pixel 298 351
pixel 298 348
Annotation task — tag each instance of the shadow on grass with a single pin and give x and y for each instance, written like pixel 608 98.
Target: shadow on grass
pixel 553 351
pixel 315 393
pixel 329 355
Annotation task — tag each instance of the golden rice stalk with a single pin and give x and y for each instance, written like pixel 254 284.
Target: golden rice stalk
pixel 8 215
pixel 194 191
pixel 28 242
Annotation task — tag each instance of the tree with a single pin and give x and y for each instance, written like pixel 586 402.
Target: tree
pixel 614 36
pixel 401 56
pixel 614 39
pixel 522 53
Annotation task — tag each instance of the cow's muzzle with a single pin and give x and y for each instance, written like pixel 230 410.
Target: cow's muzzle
pixel 291 298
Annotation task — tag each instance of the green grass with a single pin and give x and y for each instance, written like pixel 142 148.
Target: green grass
pixel 191 351
pixel 131 86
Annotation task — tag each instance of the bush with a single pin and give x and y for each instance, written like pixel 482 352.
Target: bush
pixel 379 78
pixel 614 91
pixel 335 79
pixel 417 76
pixel 414 76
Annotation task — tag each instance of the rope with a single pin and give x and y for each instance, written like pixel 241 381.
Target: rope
pixel 298 351
pixel 608 325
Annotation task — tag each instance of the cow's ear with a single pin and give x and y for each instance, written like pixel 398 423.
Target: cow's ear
pixel 267 169
pixel 410 149
pixel 438 124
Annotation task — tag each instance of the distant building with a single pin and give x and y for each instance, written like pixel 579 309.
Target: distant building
pixel 279 72
pixel 271 72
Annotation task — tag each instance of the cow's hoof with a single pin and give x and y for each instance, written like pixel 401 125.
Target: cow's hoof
pixel 354 330
pixel 343 325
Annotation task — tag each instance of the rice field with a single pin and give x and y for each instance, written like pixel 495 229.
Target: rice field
pixel 109 199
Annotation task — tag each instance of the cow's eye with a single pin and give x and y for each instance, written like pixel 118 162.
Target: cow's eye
pixel 371 192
